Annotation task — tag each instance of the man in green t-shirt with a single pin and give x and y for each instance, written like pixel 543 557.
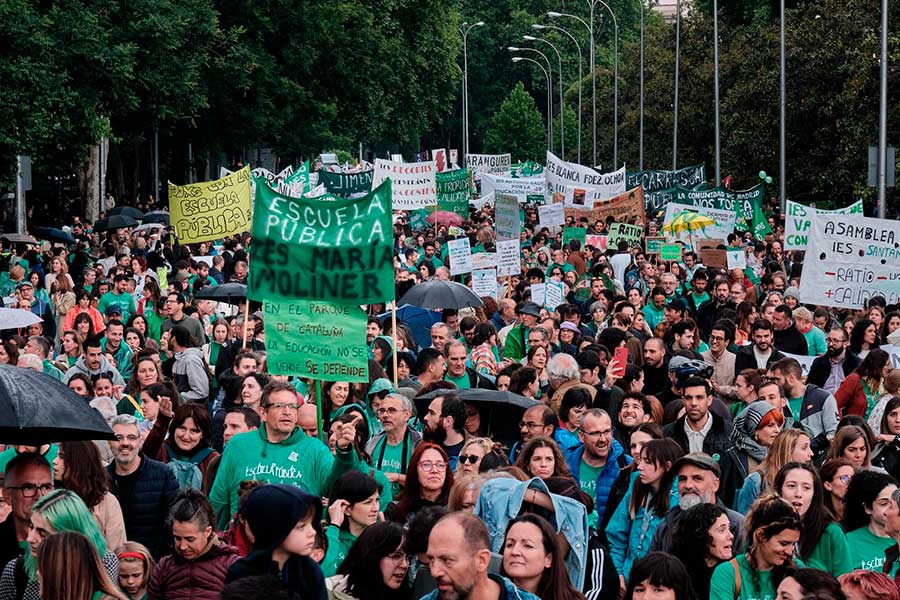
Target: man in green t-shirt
pixel 459 374
pixel 868 505
pixel 392 449
pixel 120 297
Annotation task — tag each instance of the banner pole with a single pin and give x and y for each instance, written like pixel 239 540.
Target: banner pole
pixel 318 388
pixel 394 335
pixel 246 316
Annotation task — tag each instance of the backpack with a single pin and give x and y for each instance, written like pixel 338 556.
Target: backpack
pixel 187 473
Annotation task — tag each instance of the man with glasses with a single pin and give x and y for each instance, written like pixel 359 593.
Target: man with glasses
pixel 28 478
pixel 537 420
pixel 721 359
pixel 596 461
pixel 145 488
pixel 280 452
pixel 393 447
pixel 829 370
pixel 738 292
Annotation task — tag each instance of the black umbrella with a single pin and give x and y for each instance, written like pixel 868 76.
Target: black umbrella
pixel 114 222
pixel 125 211
pixel 156 216
pixel 500 411
pixel 229 293
pixel 36 409
pixel 18 238
pixel 53 234
pixel 440 294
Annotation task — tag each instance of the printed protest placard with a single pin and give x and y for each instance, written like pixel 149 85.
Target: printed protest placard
pixel 453 192
pixel 460 254
pixel 847 257
pixel 586 185
pixel 201 212
pixel 548 294
pixel 345 184
pixel 797 223
pixel 484 283
pixel 338 251
pixel 520 187
pixel 439 156
pixel 484 260
pixel 318 340
pixel 652 244
pixel 488 163
pixel 550 215
pixel 412 184
pixel 737 259
pixel 509 261
pixel 624 232
pixel 596 241
pixel 741 203
pixel 506 217
pixel 574 233
pixel 670 252
pixel 724 222
pixel 623 208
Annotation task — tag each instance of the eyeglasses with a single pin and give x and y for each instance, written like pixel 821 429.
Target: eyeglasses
pixel 717 338
pixel 29 489
pixel 398 557
pixel 833 341
pixel 283 405
pixel 468 458
pixel 596 434
pixel 529 424
pixel 845 479
pixel 130 438
pixel 388 411
pixel 433 466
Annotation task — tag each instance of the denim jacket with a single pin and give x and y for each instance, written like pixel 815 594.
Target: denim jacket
pixel 512 592
pixel 500 501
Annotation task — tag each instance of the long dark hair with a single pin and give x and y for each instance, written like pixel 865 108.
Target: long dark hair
pixel 817 516
pixel 411 495
pixel 364 578
pixel 555 582
pixel 659 452
pixel 859 334
pixel 560 468
pixel 769 516
pixel 872 366
pixel 84 473
pixel 862 492
pixel 691 540
pixel 661 569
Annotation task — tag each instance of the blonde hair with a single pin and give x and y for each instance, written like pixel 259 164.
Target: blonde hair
pixel 464 484
pixel 137 553
pixel 801 313
pixel 781 452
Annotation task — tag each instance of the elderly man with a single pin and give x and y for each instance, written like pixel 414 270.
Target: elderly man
pixel 440 335
pixel 564 374
pixel 505 315
pixel 514 347
pixel 392 449
pixel 459 374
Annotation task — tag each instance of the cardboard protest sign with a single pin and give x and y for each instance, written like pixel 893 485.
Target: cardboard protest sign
pixel 797 222
pixel 484 283
pixel 412 184
pixel 548 294
pixel 623 208
pixel 659 186
pixel 520 187
pixel 506 217
pixel 574 233
pixel 338 251
pixel 712 257
pixel 453 192
pixel 585 185
pixel 488 163
pixel 847 256
pixel 484 260
pixel 460 255
pixel 509 260
pixel 737 259
pixel 439 156
pixel 345 184
pixel 623 231
pixel 318 340
pixel 201 212
pixel 550 215
pixel 670 252
pixel 652 244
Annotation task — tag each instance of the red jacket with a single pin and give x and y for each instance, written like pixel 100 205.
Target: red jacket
pixel 176 578
pixel 851 397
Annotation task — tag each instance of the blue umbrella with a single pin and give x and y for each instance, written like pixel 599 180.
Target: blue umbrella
pixel 419 321
pixel 53 234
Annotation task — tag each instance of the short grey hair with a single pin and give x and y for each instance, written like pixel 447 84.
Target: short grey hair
pixel 542 331
pixel 597 413
pixel 563 367
pixel 130 420
pixel 439 325
pixel 31 361
pixel 106 406
pixel 405 402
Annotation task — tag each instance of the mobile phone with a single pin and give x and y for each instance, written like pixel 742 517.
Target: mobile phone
pixel 620 356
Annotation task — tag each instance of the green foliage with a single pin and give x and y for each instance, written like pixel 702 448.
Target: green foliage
pixel 517 128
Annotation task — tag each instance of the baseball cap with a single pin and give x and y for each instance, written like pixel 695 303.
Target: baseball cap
pixel 24 283
pixel 113 309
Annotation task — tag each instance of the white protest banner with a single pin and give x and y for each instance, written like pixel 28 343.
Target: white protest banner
pixel 508 258
pixel 484 260
pixel 460 254
pixel 484 283
pixel 847 257
pixel 538 293
pixel 805 361
pixel 412 184
pixel 488 163
pixel 520 187
pixel 796 223
pixel 454 158
pixel 397 158
pixel 894 351
pixel 554 294
pixel 506 217
pixel 551 214
pixel 724 222
pixel 736 259
pixel 587 185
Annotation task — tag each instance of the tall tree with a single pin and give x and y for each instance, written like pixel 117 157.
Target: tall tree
pixel 517 128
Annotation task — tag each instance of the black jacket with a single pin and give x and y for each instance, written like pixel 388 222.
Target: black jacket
pixel 745 359
pixel 708 314
pixel 301 575
pixel 476 380
pixel 146 505
pixel 821 368
pixel 717 441
pixel 9 543
pixel 790 340
pixel 735 465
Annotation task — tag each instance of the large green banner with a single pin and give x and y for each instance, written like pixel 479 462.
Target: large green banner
pixel 345 184
pixel 659 186
pixel 742 203
pixel 317 340
pixel 335 251
pixel 453 191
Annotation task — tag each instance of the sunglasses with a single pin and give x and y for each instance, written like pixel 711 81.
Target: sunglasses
pixel 468 458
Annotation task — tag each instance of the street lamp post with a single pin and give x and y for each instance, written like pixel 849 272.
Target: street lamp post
pixel 547 75
pixel 556 15
pixel 675 112
pixel 882 114
pixel 549 83
pixel 641 139
pixel 615 80
pixel 782 113
pixel 464 29
pixel 578 48
pixel 562 123
pixel 716 87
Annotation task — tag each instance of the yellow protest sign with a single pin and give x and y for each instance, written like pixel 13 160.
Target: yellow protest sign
pixel 211 210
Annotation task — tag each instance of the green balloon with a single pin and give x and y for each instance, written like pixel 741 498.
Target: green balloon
pixel 762 174
pixel 768 180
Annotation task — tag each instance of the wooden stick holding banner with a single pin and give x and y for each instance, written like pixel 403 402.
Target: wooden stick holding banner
pixel 246 317
pixel 394 336
pixel 320 433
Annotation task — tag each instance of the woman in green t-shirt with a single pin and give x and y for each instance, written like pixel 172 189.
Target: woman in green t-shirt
pixel 772 529
pixel 822 543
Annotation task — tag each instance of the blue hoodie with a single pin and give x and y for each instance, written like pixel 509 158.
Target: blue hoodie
pixel 616 460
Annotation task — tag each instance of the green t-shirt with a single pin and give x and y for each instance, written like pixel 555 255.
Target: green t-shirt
pixel 832 553
pixel 795 404
pixel 754 585
pixel 460 382
pixel 815 341
pixel 587 479
pixel 124 301
pixel 653 315
pixel 10 453
pixel 867 549
pixel 391 462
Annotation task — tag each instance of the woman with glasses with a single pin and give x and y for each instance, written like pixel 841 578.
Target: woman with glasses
pixel 473 451
pixel 376 567
pixel 836 475
pixel 428 483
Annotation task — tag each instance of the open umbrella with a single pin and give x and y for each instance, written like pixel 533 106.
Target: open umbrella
pixel 419 321
pixel 18 238
pixel 689 221
pixel 440 294
pixel 36 409
pixel 229 293
pixel 444 217
pixel 114 222
pixel 52 234
pixel 147 227
pixel 15 318
pixel 156 216
pixel 500 411
pixel 126 211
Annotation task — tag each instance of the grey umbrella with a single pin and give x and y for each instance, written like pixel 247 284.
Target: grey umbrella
pixel 15 318
pixel 440 294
